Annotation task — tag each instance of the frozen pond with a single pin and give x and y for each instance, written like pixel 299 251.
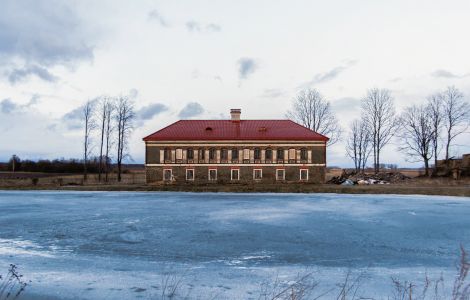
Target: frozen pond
pixel 120 245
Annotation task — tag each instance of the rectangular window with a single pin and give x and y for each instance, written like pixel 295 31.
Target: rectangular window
pixel 235 154
pixel 190 154
pixel 189 174
pixel 212 174
pixel 304 174
pixel 167 175
pixel 291 153
pixel 257 174
pixel 280 174
pixel 235 174
pixel 179 154
pixel 246 153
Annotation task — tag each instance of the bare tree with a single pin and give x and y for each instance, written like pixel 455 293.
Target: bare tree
pixel 313 111
pixel 416 134
pixel 124 124
pixel 110 110
pixel 87 115
pixel 456 115
pixel 436 116
pixel 378 112
pixel 104 104
pixel 358 145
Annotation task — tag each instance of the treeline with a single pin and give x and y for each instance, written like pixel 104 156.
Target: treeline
pixel 74 166
pixel 422 132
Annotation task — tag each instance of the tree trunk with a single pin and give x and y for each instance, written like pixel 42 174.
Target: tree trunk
pixel 426 167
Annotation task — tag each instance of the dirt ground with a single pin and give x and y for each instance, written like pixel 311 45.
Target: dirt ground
pixel 135 181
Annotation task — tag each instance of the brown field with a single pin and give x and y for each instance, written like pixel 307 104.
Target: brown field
pixel 135 181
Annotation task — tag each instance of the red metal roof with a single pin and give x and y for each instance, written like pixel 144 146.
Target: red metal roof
pixel 210 130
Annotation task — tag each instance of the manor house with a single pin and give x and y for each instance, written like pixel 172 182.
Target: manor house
pixel 235 150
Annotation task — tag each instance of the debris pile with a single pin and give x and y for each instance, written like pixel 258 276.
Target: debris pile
pixel 354 178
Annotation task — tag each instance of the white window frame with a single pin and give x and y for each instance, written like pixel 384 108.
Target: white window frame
pixel 179 154
pixel 261 173
pixel 231 174
pixel 194 174
pixel 209 174
pixel 283 174
pixel 300 175
pixel 171 174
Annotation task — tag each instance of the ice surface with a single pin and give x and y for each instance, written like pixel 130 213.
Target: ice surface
pixel 121 245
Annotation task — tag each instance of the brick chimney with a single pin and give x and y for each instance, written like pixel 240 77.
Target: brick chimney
pixel 235 114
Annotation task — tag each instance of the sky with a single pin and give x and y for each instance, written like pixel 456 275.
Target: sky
pixel 198 59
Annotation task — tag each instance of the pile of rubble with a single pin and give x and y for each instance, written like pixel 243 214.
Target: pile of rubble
pixel 354 178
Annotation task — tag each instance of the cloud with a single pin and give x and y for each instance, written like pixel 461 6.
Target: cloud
pixel 40 35
pixel 17 75
pixel 447 74
pixel 191 109
pixel 246 67
pixel 7 106
pixel 154 15
pixel 346 105
pixel 273 93
pixel 149 111
pixel 329 75
pixel 193 26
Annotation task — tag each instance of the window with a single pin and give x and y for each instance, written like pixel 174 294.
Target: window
pixel 303 154
pixel 246 153
pixel 235 174
pixel 167 154
pixel 189 174
pixel 291 153
pixel 304 174
pixel 280 153
pixel 212 174
pixel 179 154
pixel 257 174
pixel 212 153
pixel 224 154
pixel 280 174
pixel 202 153
pixel 269 154
pixel 257 153
pixel 167 175
pixel 235 154
pixel 190 153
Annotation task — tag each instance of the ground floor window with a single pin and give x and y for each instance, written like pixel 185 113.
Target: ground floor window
pixel 212 174
pixel 257 174
pixel 303 174
pixel 189 174
pixel 167 174
pixel 280 174
pixel 235 174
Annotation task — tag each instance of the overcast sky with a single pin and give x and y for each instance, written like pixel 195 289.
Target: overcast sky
pixel 198 59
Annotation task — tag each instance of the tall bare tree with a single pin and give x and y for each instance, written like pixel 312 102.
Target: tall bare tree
pixel 416 134
pixel 313 111
pixel 124 124
pixel 89 126
pixel 104 103
pixel 110 110
pixel 455 115
pixel 358 145
pixel 435 103
pixel 378 112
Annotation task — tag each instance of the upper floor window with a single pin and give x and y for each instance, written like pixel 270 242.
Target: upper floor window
pixel 257 153
pixel 224 154
pixel 202 153
pixel 292 153
pixel 269 154
pixel 190 153
pixel 303 154
pixel 246 153
pixel 167 154
pixel 234 153
pixel 212 153
pixel 280 153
